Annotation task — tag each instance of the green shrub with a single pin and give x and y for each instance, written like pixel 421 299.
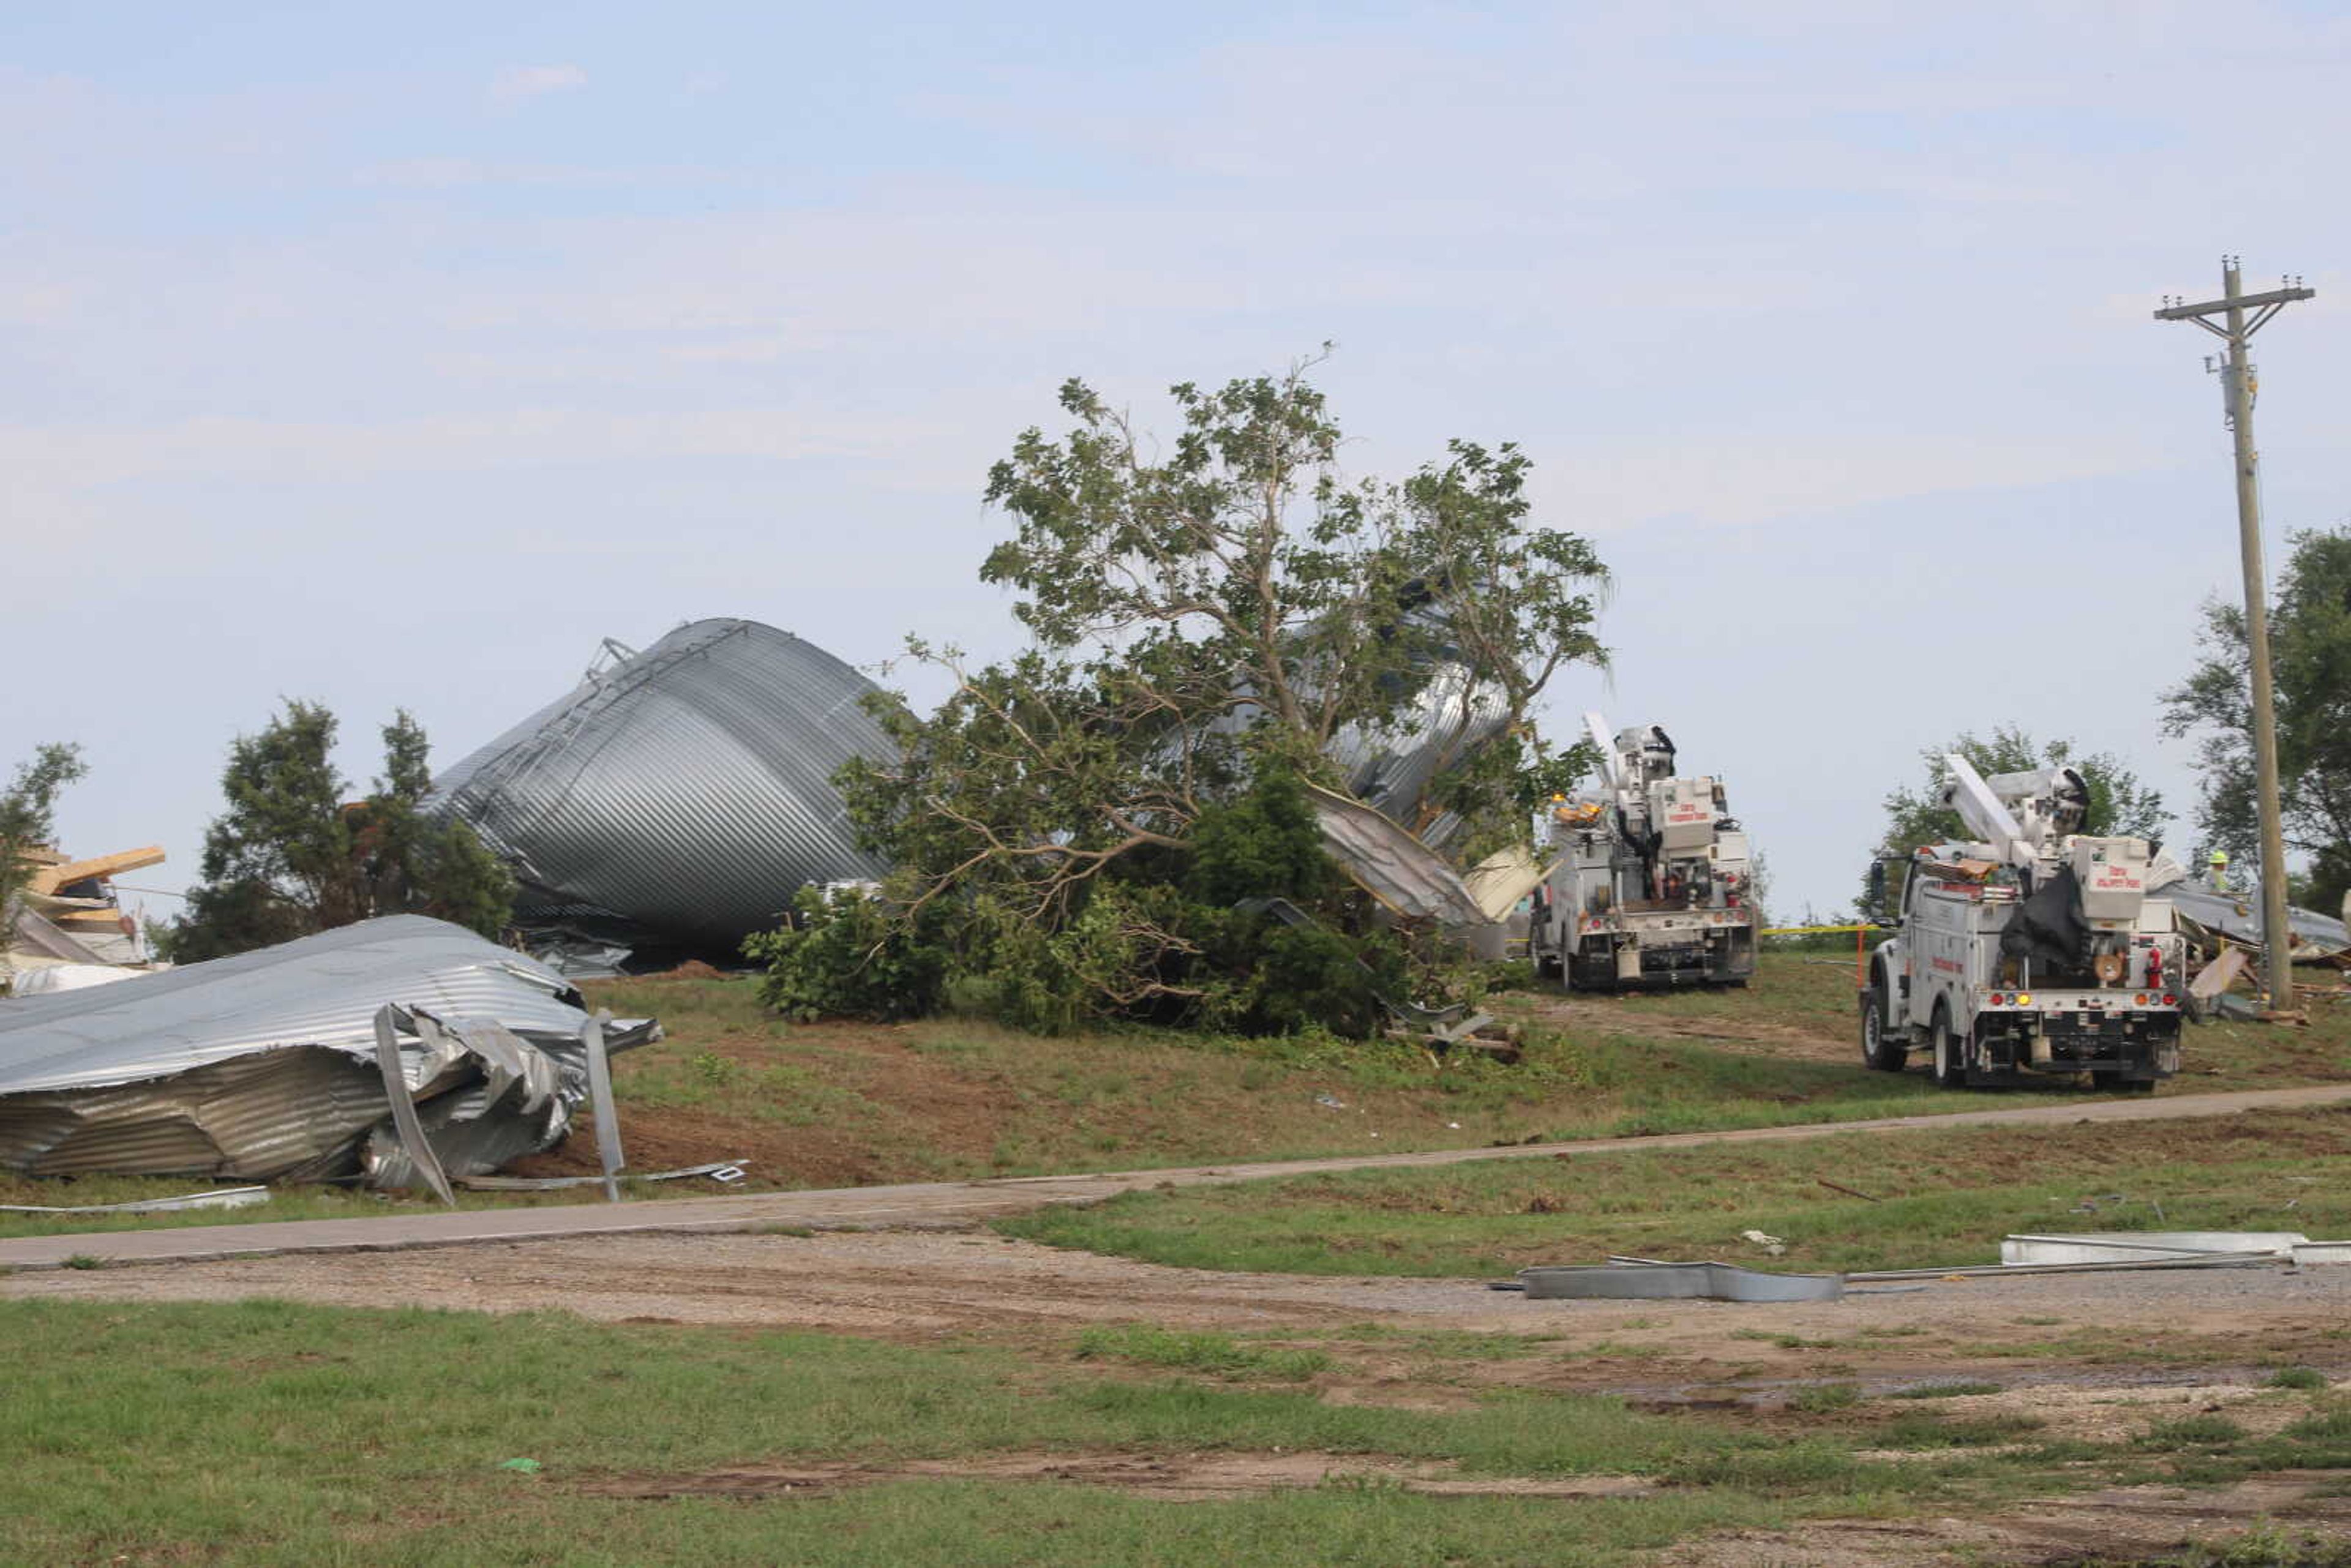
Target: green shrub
pixel 849 953
pixel 1824 1398
pixel 2295 1377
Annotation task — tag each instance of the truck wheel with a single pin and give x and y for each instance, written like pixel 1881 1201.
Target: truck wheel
pixel 1950 1067
pixel 2136 1086
pixel 1877 1051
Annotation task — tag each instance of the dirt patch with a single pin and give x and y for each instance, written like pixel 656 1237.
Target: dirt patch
pixel 774 1154
pixel 1760 1037
pixel 1177 1478
pixel 2113 1332
pixel 2108 1415
pixel 2123 1523
pixel 940 1120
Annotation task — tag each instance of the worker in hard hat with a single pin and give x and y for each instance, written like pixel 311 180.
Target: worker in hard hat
pixel 2218 871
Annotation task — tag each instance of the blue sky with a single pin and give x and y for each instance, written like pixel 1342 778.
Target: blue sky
pixel 393 357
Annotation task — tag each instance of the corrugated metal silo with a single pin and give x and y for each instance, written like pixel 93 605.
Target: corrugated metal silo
pixel 678 798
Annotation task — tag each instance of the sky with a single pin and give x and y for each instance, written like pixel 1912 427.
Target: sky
pixel 392 357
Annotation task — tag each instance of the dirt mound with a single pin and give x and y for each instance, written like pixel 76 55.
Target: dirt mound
pixel 691 970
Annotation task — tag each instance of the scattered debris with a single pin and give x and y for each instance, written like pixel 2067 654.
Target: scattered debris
pixel 2204 992
pixel 1503 880
pixel 67 917
pixel 77 897
pixel 265 1066
pixel 2216 913
pixel 2010 1270
pixel 1838 1186
pixel 726 1172
pixel 219 1198
pixel 671 803
pixel 1771 1244
pixel 2171 1246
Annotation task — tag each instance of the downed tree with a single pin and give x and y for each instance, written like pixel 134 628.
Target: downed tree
pixel 1213 631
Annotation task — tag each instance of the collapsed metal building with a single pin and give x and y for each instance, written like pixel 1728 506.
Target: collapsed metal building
pixel 274 1065
pixel 674 802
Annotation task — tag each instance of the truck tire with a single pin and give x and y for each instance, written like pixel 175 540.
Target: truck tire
pixel 1950 1067
pixel 1877 1052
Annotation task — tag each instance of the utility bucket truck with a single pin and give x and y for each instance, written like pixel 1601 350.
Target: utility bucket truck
pixel 2034 952
pixel 1650 887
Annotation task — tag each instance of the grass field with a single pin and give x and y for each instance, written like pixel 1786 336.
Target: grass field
pixel 272 1434
pixel 1941 1197
pixel 843 1104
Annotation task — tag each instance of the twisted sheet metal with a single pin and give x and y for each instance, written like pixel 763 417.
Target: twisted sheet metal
pixel 2238 914
pixel 685 792
pixel 261 1065
pixel 1641 1280
pixel 1392 766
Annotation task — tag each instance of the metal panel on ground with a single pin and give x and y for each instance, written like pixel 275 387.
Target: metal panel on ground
pixel 1648 1282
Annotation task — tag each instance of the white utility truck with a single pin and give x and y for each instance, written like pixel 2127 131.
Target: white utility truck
pixel 1650 887
pixel 2036 951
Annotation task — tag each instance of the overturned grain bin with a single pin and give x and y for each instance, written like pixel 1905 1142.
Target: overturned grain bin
pixel 674 802
pixel 270 1066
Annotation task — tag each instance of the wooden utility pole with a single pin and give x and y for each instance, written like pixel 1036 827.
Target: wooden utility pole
pixel 2238 384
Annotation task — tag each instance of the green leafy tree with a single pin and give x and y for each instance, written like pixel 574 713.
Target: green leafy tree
pixel 2120 805
pixel 29 813
pixel 2310 653
pixel 1207 621
pixel 289 857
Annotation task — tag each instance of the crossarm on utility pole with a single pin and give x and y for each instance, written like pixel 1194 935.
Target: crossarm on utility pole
pixel 2246 302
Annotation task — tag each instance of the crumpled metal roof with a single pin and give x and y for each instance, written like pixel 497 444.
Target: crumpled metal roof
pixel 320 991
pixel 684 793
pixel 2239 914
pixel 1405 876
pixel 264 1065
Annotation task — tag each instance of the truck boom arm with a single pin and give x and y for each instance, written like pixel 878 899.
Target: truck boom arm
pixel 1597 727
pixel 1983 812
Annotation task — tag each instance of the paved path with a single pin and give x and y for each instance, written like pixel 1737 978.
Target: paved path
pixel 937 1203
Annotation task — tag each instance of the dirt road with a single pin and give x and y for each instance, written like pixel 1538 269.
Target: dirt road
pixel 2096 1359
pixel 934 1203
pixel 917 1285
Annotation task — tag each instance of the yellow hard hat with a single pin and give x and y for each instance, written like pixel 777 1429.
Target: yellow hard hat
pixel 2220 857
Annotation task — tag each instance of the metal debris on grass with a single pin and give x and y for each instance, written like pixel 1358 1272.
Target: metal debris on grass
pixel 265 1066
